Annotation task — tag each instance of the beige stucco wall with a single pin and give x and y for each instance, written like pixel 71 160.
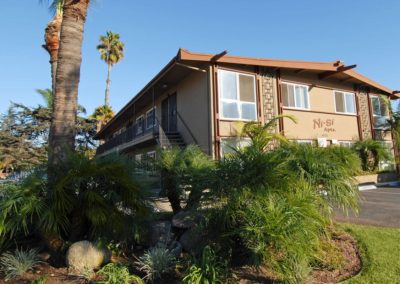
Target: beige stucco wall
pixel 312 125
pixel 193 106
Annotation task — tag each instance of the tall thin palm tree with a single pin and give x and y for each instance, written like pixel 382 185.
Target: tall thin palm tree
pixel 63 130
pixel 52 37
pixel 111 51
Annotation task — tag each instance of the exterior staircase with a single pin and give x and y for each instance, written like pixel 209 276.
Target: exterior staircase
pixel 172 139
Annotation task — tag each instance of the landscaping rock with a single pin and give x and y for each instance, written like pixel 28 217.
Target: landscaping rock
pixel 160 231
pixel 185 220
pixel 191 240
pixel 83 256
pixel 175 248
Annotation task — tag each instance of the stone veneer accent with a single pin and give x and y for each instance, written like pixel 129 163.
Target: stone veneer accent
pixel 269 100
pixel 365 122
pixel 268 97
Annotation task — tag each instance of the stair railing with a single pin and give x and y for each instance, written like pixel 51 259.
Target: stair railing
pixel 158 131
pixel 186 127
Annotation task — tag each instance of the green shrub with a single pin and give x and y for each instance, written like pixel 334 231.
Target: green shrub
pixel 273 206
pixel 92 197
pixel 40 280
pixel 371 153
pixel 329 170
pixel 207 269
pixel 118 274
pixel 188 169
pixel 17 263
pixel 158 261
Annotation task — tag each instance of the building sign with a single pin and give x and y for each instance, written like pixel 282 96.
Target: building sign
pixel 327 125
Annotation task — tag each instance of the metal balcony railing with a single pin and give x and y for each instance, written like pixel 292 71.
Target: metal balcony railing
pixel 130 134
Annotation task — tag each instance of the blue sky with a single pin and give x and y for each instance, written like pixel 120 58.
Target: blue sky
pixel 363 32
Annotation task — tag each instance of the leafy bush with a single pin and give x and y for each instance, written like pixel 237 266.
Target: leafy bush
pixel 118 274
pixel 371 153
pixel 92 197
pixel 273 205
pixel 156 262
pixel 17 263
pixel 329 170
pixel 188 169
pixel 209 268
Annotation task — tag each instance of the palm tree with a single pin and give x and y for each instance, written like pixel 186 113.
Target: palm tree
pixel 111 51
pixel 52 37
pixel 47 95
pixel 102 115
pixel 69 58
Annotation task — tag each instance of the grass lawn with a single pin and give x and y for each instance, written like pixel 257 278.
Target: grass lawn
pixel 380 252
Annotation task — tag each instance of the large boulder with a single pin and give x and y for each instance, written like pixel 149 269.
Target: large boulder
pixel 186 219
pixel 83 256
pixel 192 240
pixel 160 231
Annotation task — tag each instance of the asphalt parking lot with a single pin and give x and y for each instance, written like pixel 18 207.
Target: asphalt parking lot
pixel 379 207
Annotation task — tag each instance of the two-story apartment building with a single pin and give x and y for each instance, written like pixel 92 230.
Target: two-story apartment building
pixel 200 98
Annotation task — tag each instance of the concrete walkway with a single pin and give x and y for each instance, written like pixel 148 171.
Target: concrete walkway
pixel 378 207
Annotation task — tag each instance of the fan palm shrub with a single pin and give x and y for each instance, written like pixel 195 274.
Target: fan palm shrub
pixel 188 169
pixel 371 152
pixel 91 197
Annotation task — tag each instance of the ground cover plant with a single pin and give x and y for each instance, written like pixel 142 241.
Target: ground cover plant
pixel 13 264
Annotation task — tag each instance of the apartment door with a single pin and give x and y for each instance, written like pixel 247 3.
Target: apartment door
pixel 169 120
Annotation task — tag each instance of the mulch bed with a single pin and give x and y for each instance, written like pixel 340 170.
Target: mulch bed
pixel 53 276
pixel 351 266
pixel 244 274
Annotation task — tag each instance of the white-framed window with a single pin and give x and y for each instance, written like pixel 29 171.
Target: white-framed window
pixel 151 155
pixel 345 102
pixel 347 144
pixel 151 118
pixel 237 95
pixel 387 165
pixel 139 124
pixel 380 112
pixel 228 145
pixel 138 158
pixel 295 96
pixel 305 141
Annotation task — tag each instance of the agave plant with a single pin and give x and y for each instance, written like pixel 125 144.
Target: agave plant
pixel 158 261
pixel 17 263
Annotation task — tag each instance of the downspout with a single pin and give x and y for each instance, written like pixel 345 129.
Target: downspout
pixel 279 100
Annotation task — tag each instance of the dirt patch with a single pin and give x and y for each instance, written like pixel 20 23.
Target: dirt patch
pixel 51 275
pixel 350 267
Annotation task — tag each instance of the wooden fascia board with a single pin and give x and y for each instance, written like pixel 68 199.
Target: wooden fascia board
pixel 323 66
pixel 367 81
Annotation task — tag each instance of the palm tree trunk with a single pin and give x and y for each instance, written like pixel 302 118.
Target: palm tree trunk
pixel 107 96
pixel 52 43
pixel 62 130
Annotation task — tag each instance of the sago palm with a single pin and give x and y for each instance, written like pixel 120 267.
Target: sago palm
pixel 111 51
